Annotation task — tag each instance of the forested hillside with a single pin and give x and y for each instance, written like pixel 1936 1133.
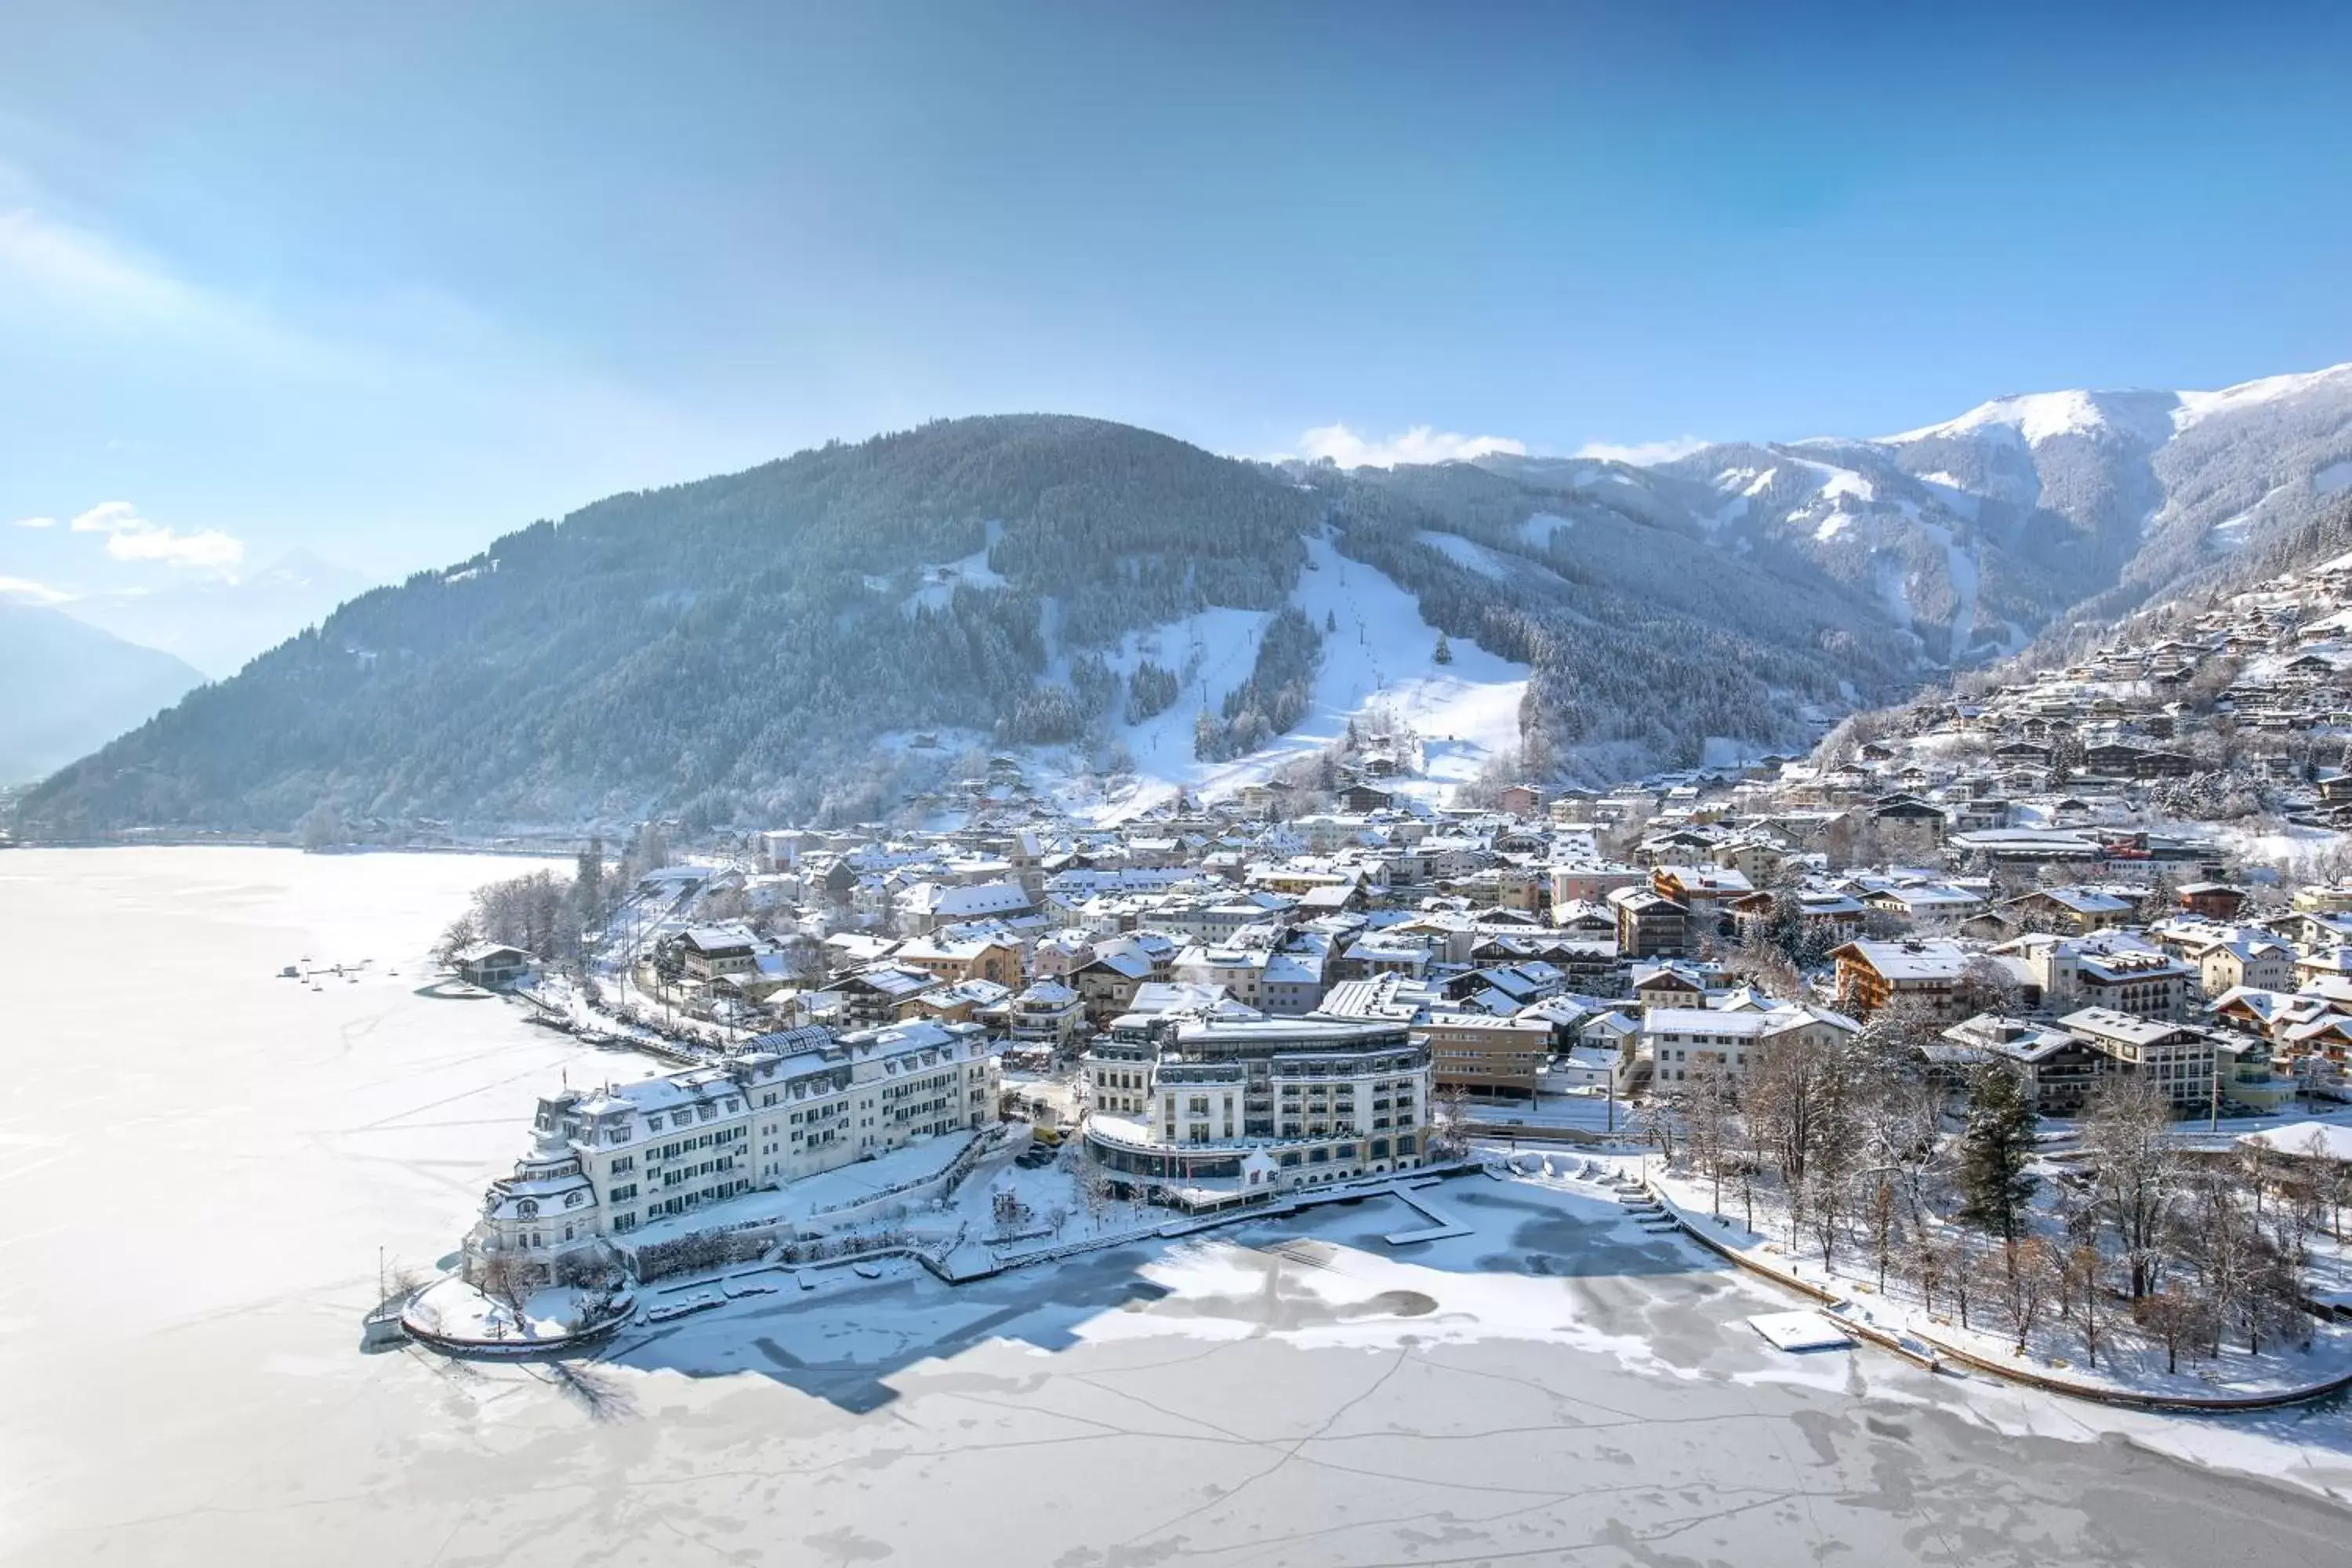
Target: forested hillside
pixel 766 646
pixel 730 648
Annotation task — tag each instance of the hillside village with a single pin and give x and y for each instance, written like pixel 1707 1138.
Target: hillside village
pixel 2126 871
pixel 2151 831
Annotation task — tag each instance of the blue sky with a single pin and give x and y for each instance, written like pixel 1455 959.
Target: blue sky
pixel 386 286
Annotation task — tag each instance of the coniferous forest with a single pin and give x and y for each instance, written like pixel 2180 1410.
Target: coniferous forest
pixel 729 649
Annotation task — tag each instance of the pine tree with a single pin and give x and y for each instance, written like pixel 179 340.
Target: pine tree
pixel 588 888
pixel 1444 654
pixel 1996 1150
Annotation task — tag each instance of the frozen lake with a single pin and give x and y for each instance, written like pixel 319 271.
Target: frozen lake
pixel 201 1161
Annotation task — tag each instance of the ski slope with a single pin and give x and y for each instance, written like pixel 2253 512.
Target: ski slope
pixel 1379 655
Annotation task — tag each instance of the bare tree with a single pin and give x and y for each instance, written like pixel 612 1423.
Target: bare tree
pixel 1765 967
pixel 2259 1163
pixel 1898 1035
pixel 456 936
pixel 2331 1179
pixel 2030 1272
pixel 1095 1190
pixel 1657 1121
pixel 1785 1096
pixel 1986 985
pixel 1902 1134
pixel 1929 1266
pixel 1450 1133
pixel 1710 1109
pixel 2083 1264
pixel 2137 1171
pixel 1828 1188
pixel 1879 1207
pixel 502 1279
pixel 2225 1255
pixel 1966 1271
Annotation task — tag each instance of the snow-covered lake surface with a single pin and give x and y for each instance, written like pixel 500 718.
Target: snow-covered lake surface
pixel 202 1160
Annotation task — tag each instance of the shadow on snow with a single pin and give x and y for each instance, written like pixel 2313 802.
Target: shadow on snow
pixel 846 1342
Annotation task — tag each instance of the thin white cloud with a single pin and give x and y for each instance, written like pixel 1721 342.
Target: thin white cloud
pixel 74 266
pixel 130 537
pixel 23 590
pixel 206 550
pixel 1422 443
pixel 110 517
pixel 55 271
pixel 1644 454
pixel 37 522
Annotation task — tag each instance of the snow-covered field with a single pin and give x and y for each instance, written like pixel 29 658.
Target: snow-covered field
pixel 202 1160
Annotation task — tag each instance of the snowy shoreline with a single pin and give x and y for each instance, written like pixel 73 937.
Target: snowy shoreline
pixel 1845 1293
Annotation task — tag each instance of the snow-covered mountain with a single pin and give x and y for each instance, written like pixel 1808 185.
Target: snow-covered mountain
pixel 1980 531
pixel 66 688
pixel 779 644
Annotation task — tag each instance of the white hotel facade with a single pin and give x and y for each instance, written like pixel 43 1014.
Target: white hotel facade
pixel 609 1161
pixel 1203 1112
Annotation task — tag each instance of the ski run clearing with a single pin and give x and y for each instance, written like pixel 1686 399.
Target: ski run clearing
pixel 1378 659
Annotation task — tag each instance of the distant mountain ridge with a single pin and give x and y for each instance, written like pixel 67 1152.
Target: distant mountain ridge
pixel 1986 527
pixel 756 647
pixel 218 625
pixel 66 688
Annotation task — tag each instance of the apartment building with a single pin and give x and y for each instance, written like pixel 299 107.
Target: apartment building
pixel 607 1162
pixel 1649 925
pixel 1484 1055
pixel 1680 1042
pixel 2179 1058
pixel 1870 975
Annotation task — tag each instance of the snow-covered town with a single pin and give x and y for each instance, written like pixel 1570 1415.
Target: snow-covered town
pixel 1195 786
pixel 2012 1026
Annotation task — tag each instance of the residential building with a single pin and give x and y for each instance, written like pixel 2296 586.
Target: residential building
pixel 2059 1068
pixel 709 952
pixel 2179 1060
pixel 1649 925
pixel 1680 1042
pixel 873 994
pixel 1870 974
pixel 493 965
pixel 1045 1013
pixel 955 958
pixel 1589 882
pixel 1480 1054
pixel 2251 962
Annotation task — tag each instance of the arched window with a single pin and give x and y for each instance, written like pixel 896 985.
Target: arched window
pixel 527 1208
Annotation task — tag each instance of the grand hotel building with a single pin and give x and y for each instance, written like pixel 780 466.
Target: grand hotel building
pixel 1203 1112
